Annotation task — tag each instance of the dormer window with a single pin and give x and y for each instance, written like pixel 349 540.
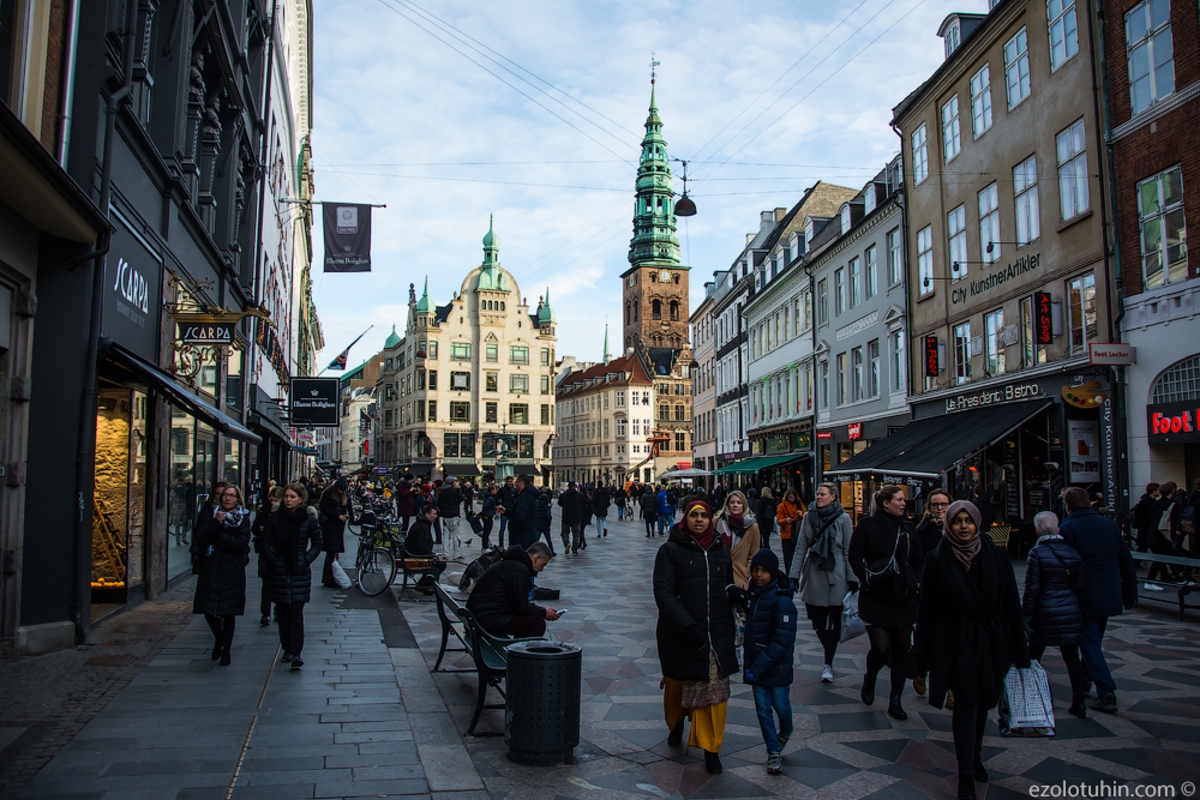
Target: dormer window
pixel 869 199
pixel 845 219
pixel 808 229
pixel 952 37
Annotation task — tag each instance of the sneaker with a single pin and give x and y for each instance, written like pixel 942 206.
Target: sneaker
pixel 297 662
pixel 826 674
pixel 265 621
pixel 1106 703
pixel 287 658
pixel 1153 587
pixel 774 764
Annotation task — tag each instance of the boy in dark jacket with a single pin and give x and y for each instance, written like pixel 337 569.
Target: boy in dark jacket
pixel 769 643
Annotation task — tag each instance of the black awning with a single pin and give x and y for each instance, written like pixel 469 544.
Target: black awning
pixel 176 393
pixel 417 468
pixel 460 469
pixel 928 447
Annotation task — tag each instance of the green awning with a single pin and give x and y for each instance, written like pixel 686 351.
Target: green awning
pixel 749 466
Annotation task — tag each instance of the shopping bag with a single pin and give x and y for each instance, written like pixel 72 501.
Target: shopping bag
pixel 1026 704
pixel 339 575
pixel 852 624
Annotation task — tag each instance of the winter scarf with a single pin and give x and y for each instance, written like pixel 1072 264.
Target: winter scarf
pixel 824 548
pixel 233 517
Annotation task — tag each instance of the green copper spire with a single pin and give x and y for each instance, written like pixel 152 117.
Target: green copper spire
pixel 606 359
pixel 491 276
pixel 545 313
pixel 654 242
pixel 491 244
pixel 423 303
pixel 392 340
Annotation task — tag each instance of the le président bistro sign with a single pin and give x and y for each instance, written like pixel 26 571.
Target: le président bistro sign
pixel 1173 423
pixel 991 397
pixel 996 278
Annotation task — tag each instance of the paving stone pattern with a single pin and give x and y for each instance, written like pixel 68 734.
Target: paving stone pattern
pixel 366 718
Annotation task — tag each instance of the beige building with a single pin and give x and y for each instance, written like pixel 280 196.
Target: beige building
pixel 469 389
pixel 604 421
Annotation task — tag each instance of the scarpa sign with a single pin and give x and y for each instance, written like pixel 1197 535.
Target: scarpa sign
pixel 347 237
pixel 315 402
pixel 132 293
pixel 207 333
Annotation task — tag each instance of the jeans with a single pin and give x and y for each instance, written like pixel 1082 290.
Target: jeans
pixel 664 523
pixel 503 527
pixel 766 700
pixel 487 532
pixel 1093 655
pixel 620 511
pixel 601 526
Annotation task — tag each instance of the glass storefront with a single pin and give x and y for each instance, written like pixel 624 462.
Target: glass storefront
pixel 119 513
pixel 193 470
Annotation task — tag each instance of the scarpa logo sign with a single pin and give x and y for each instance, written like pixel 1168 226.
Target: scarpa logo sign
pixel 132 286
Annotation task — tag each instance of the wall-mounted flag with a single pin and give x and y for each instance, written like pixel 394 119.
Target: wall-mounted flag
pixel 339 363
pixel 347 237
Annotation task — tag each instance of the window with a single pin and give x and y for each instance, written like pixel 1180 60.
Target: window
pixel 1064 37
pixel 605 429
pixel 992 324
pixel 1031 352
pixel 491 381
pixel 432 379
pixel 1016 68
pixel 1081 298
pixel 518 383
pixel 843 380
pixel 845 215
pixel 620 398
pixel 450 441
pixel 492 353
pixel 919 156
pixel 518 414
pixel 518 354
pixel 420 380
pixel 855 281
pixel 822 302
pixel 981 101
pixel 824 384
pixel 872 278
pixel 421 410
pixel 962 352
pixel 1164 237
pixel 1072 171
pixel 989 224
pixel 545 382
pixel 460 381
pixel 897 344
pixel 1029 226
pixel 655 309
pixel 433 410
pixel 925 259
pixel 953 38
pixel 545 356
pixel 951 139
pixel 680 442
pixel 460 351
pixel 620 425
pixel 873 368
pixel 858 390
pixel 433 348
pixel 839 290
pixel 680 413
pixel 545 414
pixel 956 228
pixel 895 257
pixel 460 412
pixel 491 412
pixel 1151 53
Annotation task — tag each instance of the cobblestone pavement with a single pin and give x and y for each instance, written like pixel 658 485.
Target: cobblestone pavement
pixel 366 718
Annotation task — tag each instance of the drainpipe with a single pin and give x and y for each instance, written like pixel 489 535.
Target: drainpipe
pixel 68 84
pixel 86 447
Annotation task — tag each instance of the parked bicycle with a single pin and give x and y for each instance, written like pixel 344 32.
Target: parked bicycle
pixel 379 544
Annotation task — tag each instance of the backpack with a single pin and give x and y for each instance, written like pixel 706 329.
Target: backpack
pixel 476 568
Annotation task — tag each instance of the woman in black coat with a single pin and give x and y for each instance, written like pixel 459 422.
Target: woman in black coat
pixel 695 631
pixel 1051 603
pixel 291 544
pixel 969 633
pixel 887 559
pixel 335 511
pixel 220 552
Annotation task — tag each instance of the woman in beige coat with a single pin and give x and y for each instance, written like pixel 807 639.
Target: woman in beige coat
pixel 739 531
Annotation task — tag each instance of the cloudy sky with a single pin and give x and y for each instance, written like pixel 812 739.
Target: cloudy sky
pixel 533 110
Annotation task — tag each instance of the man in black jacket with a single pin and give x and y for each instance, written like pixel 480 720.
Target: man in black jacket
pixel 522 513
pixel 419 542
pixel 571 502
pixel 501 600
pixel 1143 523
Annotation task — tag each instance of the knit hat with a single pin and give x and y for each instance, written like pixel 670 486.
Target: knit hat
pixel 767 559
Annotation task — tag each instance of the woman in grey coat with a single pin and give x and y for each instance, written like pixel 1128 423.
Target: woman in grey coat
pixel 822 569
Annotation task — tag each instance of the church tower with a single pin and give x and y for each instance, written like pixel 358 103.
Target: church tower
pixel 655 287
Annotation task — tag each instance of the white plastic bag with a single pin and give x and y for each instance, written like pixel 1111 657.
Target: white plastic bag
pixel 852 624
pixel 339 575
pixel 1026 705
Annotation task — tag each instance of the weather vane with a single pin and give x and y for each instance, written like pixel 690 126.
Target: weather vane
pixel 653 63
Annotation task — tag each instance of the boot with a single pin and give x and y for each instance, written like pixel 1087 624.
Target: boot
pixel 966 786
pixel 712 763
pixel 1078 706
pixel 981 775
pixel 675 737
pixel 868 689
pixel 894 709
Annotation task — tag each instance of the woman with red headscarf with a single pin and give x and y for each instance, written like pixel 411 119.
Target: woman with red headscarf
pixel 695 632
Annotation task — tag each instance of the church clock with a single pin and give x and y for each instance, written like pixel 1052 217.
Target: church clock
pixel 664 276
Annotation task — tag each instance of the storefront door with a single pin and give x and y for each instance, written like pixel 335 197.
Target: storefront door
pixel 119 515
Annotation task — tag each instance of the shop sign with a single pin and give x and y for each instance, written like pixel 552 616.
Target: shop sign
pixel 993 397
pixel 132 293
pixel 932 362
pixel 854 431
pixel 315 402
pixel 801 441
pixel 1043 318
pixel 1089 395
pixel 824 435
pixel 996 278
pixel 1115 354
pixel 1083 437
pixel 206 333
pixel 1173 423
pixel 778 444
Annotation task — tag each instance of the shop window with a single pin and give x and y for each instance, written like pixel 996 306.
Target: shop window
pixel 1032 353
pixel 119 495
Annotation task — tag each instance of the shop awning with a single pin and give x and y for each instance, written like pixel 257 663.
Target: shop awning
pixel 460 469
pixel 307 451
pixel 175 392
pixel 928 447
pixel 748 466
pixel 417 468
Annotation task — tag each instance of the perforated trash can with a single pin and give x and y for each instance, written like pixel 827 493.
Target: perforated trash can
pixel 541 711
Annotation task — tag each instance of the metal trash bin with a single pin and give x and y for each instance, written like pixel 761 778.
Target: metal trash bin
pixel 542 695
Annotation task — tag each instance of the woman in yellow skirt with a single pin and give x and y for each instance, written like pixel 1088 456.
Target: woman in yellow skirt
pixel 695 632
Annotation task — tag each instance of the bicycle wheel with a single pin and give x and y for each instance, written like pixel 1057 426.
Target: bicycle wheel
pixel 376 572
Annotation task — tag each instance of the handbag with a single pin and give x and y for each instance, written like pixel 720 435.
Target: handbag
pixel 882 570
pixel 339 575
pixel 852 624
pixel 1026 704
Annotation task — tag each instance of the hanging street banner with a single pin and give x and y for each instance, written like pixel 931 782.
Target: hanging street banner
pixel 315 403
pixel 347 237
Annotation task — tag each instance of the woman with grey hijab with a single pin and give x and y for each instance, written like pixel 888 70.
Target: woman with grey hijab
pixel 821 569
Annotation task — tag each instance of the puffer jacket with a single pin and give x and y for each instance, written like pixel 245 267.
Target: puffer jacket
pixel 1050 602
pixel 770 634
pixel 890 603
pixel 694 615
pixel 601 500
pixel 505 591
pixel 649 503
pixel 219 557
pixel 571 503
pixel 292 543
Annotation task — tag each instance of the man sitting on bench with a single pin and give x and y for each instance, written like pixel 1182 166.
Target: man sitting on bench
pixel 418 542
pixel 502 600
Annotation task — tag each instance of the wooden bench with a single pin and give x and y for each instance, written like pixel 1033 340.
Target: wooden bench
pixel 415 566
pixel 490 661
pixel 1182 587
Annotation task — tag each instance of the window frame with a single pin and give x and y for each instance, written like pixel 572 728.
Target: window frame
pixel 460 351
pixel 925 282
pixel 1018 65
pixel 989 223
pixel 956 242
pixel 1149 40
pixel 1026 204
pixel 951 129
pixel 518 383
pixel 1082 288
pixel 518 354
pixel 1065 19
pixel 994 355
pixel 919 144
pixel 962 352
pixel 981 101
pixel 1073 181
pixel 1176 207
pixel 460 411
